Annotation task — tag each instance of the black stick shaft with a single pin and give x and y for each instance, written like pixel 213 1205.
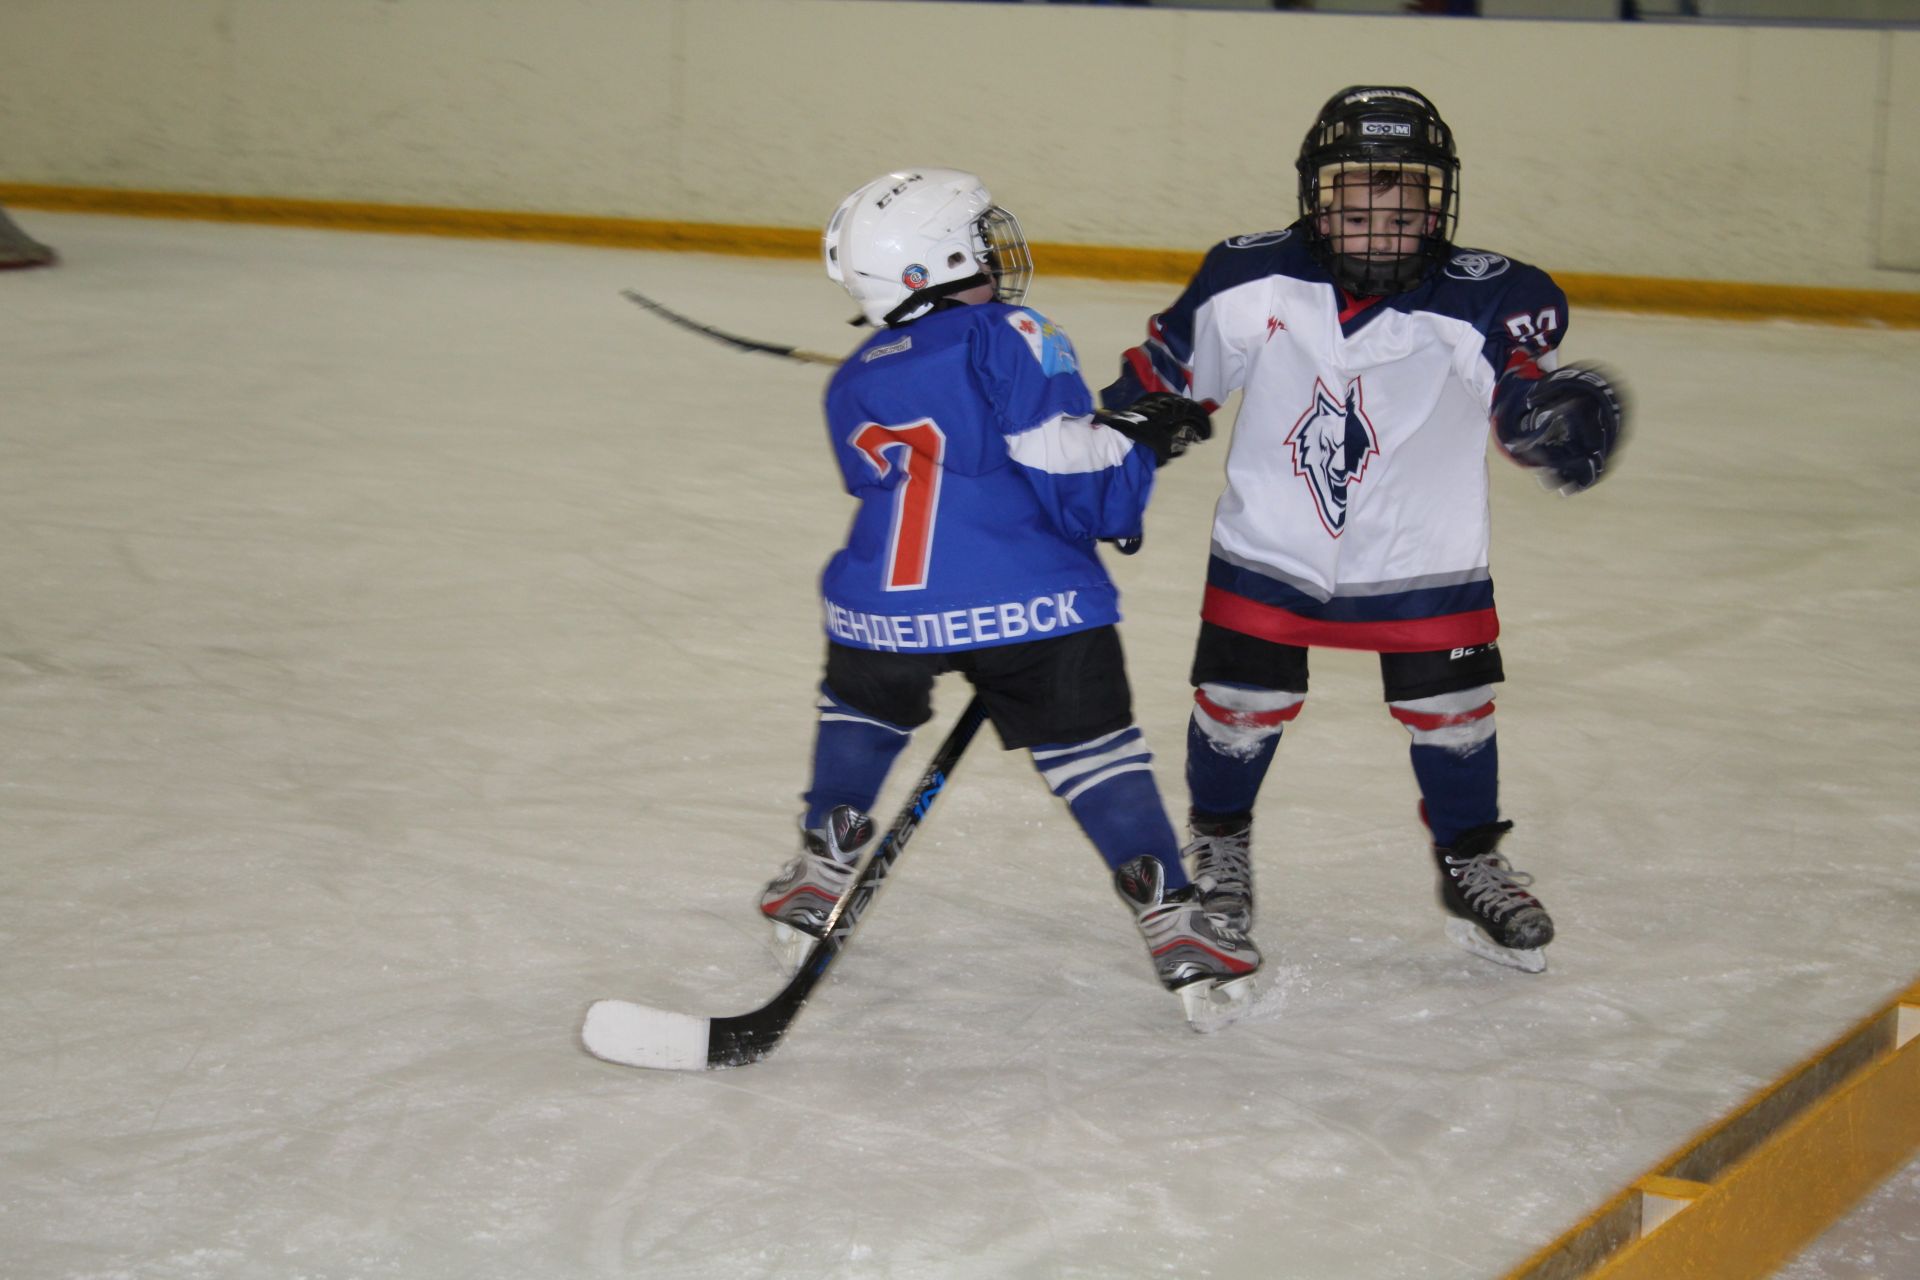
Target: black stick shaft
pixel 735 1041
pixel 733 340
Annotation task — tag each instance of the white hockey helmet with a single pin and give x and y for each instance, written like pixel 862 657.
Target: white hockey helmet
pixel 912 237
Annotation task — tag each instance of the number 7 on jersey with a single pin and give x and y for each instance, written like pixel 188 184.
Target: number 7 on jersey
pixel 920 448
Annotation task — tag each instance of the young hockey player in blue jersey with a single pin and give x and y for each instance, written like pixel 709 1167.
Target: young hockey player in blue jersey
pixel 985 478
pixel 1372 355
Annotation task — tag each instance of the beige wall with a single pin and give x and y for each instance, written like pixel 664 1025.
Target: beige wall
pixel 1764 154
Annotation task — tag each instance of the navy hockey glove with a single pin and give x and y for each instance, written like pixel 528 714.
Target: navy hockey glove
pixel 1162 423
pixel 1567 424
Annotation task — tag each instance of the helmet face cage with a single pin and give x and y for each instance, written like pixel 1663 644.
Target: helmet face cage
pixel 1384 159
pixel 1003 254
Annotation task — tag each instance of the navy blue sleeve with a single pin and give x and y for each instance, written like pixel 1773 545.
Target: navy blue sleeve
pixel 1524 321
pixel 1164 362
pixel 1521 331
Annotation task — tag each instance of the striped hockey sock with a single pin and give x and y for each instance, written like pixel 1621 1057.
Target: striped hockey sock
pixel 852 752
pixel 1107 782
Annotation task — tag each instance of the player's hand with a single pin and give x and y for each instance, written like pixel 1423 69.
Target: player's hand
pixel 1162 423
pixel 1573 425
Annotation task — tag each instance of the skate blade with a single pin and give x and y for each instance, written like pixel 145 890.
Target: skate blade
pixel 1211 1006
pixel 1472 937
pixel 790 946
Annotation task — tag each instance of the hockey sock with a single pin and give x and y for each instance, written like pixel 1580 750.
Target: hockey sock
pixel 1107 782
pixel 1230 742
pixel 1456 759
pixel 852 752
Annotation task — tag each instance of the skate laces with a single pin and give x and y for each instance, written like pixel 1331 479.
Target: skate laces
pixel 1223 861
pixel 1490 884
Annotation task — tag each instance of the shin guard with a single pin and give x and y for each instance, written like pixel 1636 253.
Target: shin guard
pixel 1456 759
pixel 852 752
pixel 1231 739
pixel 1108 785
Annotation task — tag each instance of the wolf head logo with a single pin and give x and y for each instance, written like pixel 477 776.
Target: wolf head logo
pixel 1332 443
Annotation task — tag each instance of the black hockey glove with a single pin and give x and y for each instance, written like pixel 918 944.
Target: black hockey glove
pixel 1567 425
pixel 1162 423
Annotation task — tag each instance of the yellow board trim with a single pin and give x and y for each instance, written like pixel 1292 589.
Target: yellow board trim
pixel 1654 1184
pixel 1661 1198
pixel 1761 1184
pixel 1709 298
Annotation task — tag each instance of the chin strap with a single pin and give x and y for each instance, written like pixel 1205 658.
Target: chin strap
pixel 924 301
pixel 1364 279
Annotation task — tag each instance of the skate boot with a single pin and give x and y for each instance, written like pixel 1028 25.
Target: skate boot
pixel 800 899
pixel 1220 859
pixel 1199 956
pixel 1491 913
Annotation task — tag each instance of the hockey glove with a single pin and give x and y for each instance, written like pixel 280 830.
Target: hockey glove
pixel 1566 425
pixel 1162 423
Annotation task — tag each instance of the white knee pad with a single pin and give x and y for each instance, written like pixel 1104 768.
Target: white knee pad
pixel 1460 722
pixel 1238 722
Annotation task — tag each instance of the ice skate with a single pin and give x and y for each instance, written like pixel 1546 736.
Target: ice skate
pixel 1198 955
pixel 1219 858
pixel 799 899
pixel 1490 913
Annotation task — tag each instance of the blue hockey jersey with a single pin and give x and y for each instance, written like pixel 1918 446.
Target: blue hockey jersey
pixel 1355 513
pixel 983 482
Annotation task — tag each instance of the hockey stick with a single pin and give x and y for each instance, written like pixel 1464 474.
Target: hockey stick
pixel 635 1035
pixel 1125 546
pixel 731 339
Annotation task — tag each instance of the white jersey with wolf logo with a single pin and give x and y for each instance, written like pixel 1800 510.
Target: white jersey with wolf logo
pixel 1355 513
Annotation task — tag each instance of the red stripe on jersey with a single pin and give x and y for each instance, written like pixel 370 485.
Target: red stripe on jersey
pixel 1521 360
pixel 1402 635
pixel 1522 365
pixel 1245 719
pixel 1142 365
pixel 1354 305
pixel 1431 720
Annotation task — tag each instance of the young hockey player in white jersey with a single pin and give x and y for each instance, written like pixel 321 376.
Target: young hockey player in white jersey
pixel 1372 355
pixel 984 478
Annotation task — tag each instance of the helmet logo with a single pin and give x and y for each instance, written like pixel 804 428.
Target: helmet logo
pixel 915 276
pixel 906 180
pixel 1385 129
pixel 1473 265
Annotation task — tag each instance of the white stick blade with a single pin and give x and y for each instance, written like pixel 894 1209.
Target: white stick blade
pixel 634 1035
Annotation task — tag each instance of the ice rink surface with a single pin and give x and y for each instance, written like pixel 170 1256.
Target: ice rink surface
pixel 407 641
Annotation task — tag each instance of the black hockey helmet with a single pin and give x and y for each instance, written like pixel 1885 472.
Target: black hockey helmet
pixel 1389 139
